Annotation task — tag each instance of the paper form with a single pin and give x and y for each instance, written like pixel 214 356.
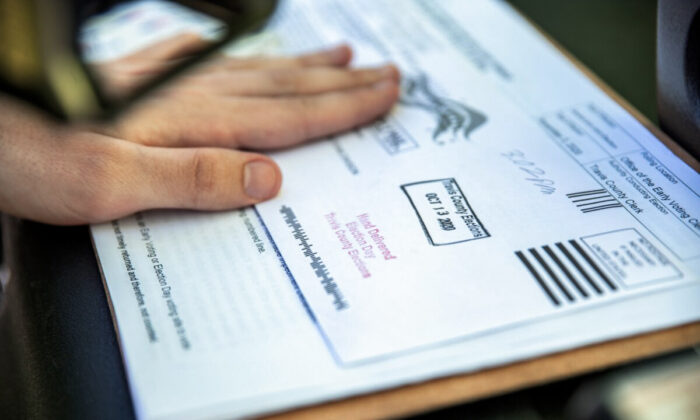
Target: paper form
pixel 506 208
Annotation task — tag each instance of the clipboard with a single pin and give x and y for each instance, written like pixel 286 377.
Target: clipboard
pixel 463 388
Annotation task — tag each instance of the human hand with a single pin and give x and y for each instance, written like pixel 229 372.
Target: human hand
pixel 121 76
pixel 181 147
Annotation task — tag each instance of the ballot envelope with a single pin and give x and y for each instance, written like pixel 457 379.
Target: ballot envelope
pixel 505 209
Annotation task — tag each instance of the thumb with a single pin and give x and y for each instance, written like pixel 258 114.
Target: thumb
pixel 191 178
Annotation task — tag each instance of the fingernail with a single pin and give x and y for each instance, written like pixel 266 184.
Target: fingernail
pixel 260 179
pixel 389 71
pixel 339 52
pixel 384 85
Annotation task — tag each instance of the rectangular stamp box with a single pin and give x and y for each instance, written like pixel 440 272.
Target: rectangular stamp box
pixel 393 137
pixel 444 212
pixel 631 257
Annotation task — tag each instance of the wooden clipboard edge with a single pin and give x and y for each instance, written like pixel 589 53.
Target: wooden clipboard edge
pixel 443 392
pixel 447 391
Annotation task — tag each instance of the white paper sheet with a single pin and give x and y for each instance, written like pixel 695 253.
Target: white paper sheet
pixel 507 208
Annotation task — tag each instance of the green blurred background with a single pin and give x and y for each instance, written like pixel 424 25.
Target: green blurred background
pixel 614 38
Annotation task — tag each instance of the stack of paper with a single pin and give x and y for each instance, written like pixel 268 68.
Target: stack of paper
pixel 507 208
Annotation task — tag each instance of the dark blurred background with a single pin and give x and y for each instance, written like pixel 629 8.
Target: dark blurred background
pixel 614 38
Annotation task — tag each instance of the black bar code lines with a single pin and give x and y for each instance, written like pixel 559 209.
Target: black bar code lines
pixel 593 200
pixel 537 277
pixel 566 273
pixel 595 266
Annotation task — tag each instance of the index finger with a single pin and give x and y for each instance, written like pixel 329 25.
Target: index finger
pixel 339 56
pixel 256 122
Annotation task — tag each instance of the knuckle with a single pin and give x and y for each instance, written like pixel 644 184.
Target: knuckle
pixel 356 107
pixel 203 170
pixel 365 111
pixel 308 59
pixel 286 80
pixel 93 192
pixel 362 76
pixel 304 116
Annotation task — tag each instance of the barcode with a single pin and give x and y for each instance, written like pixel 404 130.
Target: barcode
pixel 566 273
pixel 593 200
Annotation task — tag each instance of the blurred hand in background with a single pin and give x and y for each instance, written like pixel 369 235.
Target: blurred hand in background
pixel 193 144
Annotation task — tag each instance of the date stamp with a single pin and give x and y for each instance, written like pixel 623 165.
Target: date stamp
pixel 444 212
